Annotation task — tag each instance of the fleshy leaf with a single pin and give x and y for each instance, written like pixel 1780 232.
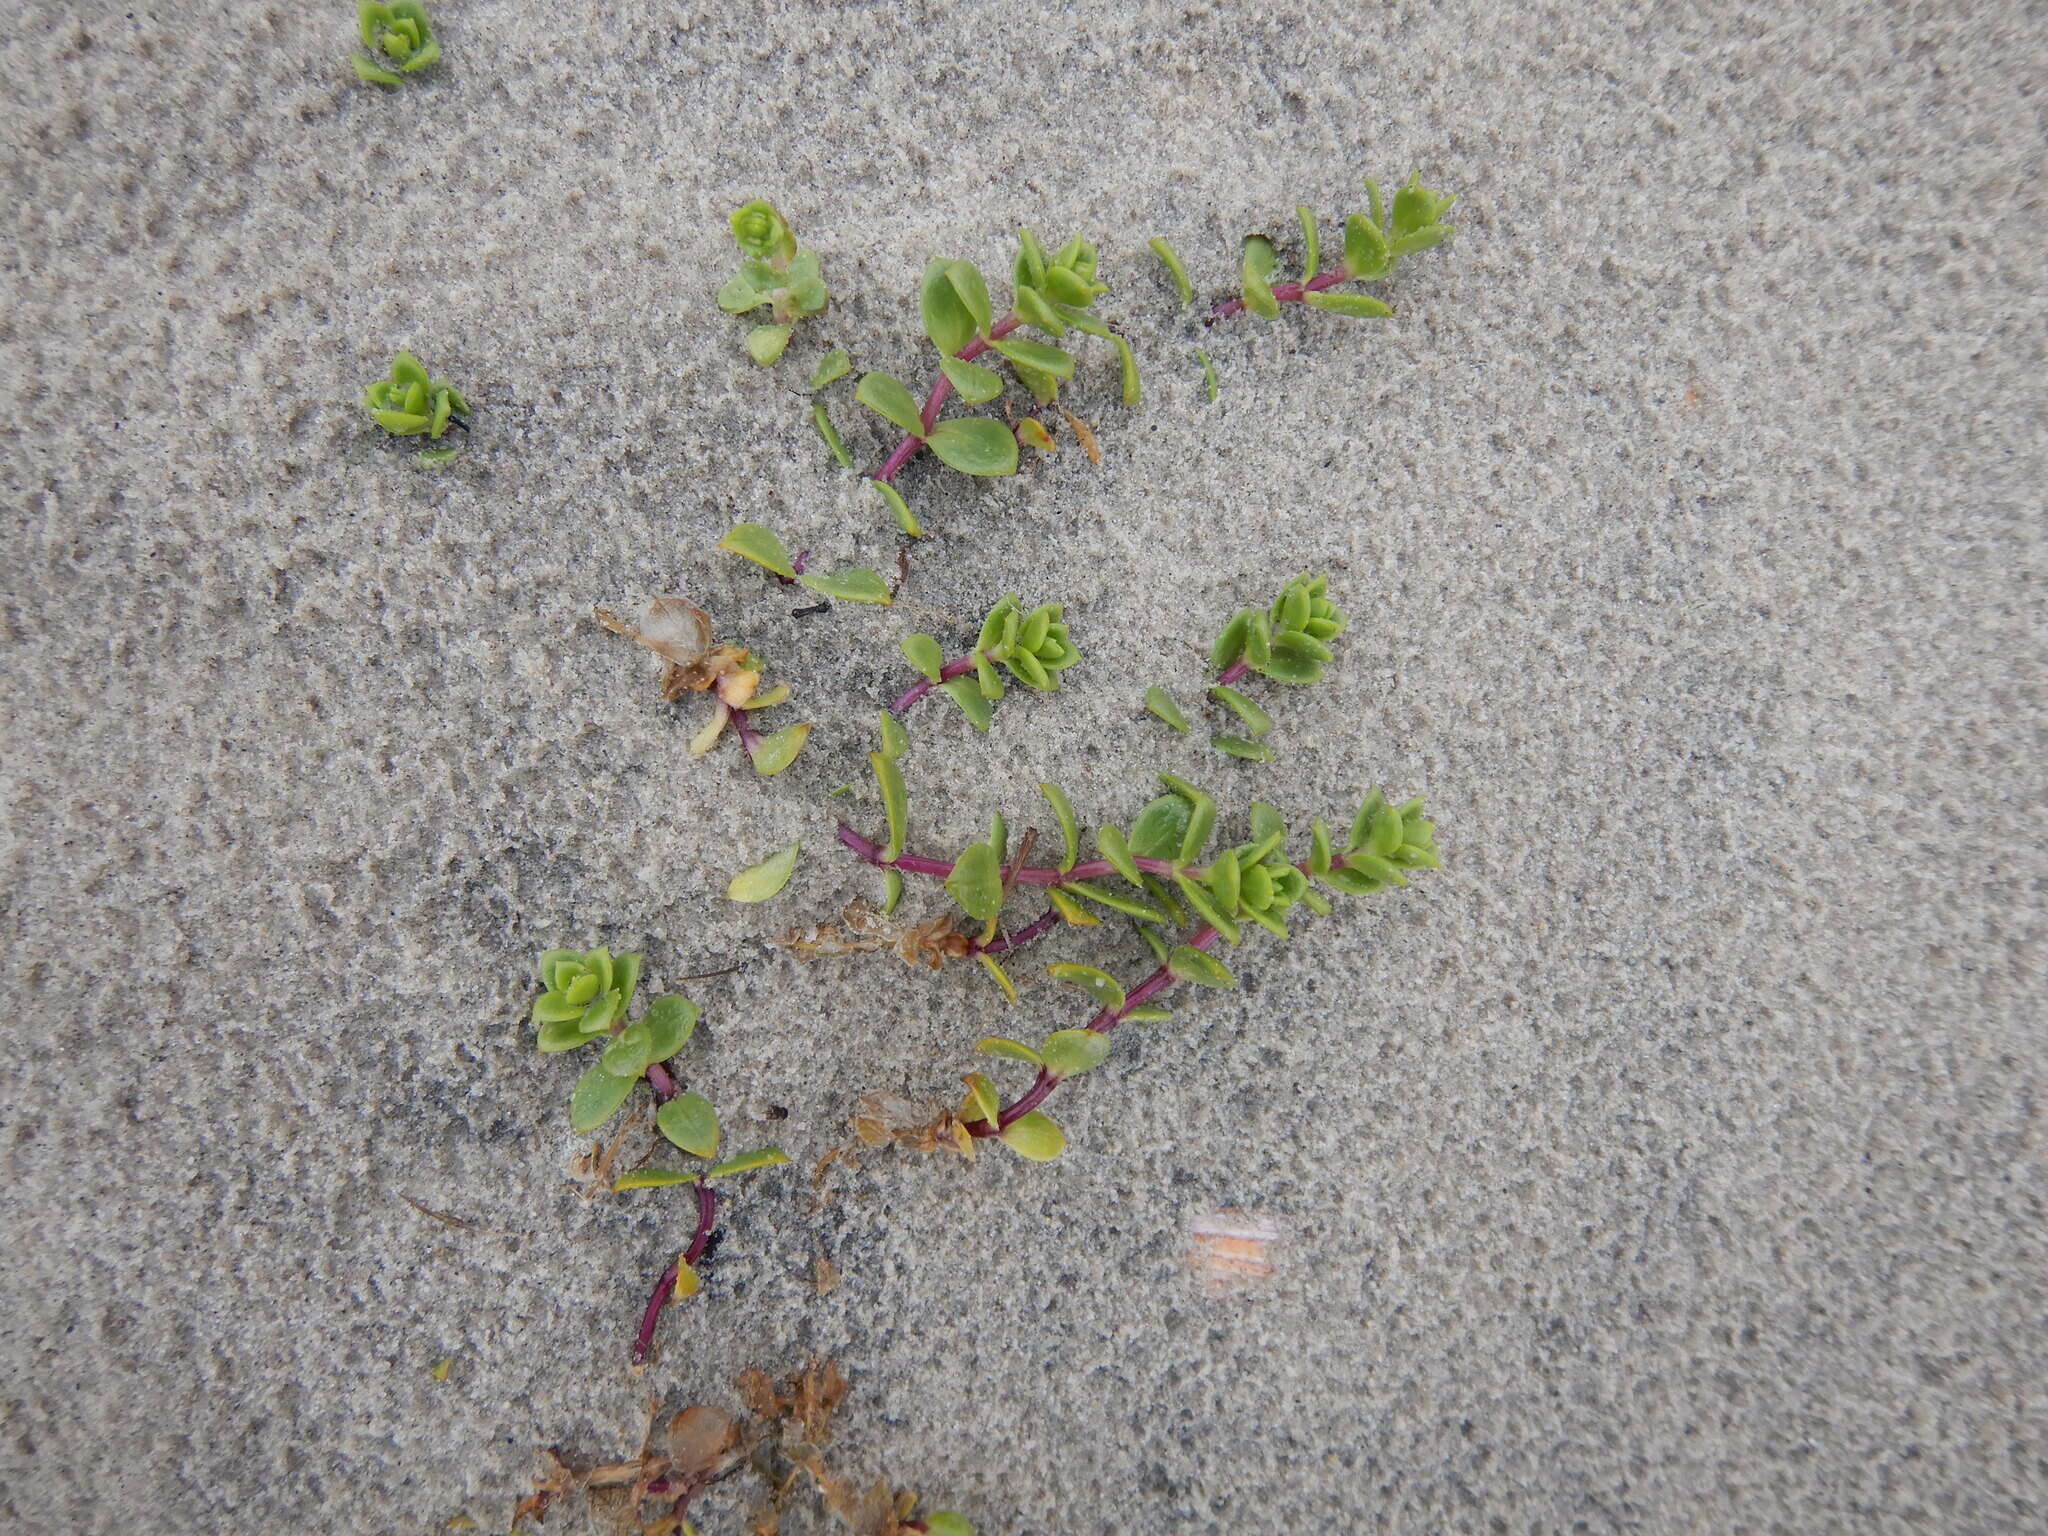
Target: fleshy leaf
pixel 973 705
pixel 596 1097
pixel 977 882
pixel 765 878
pixel 1148 1013
pixel 974 445
pixel 747 1162
pixel 1360 306
pixel 1199 967
pixel 898 507
pixel 1036 355
pixel 778 751
pixel 833 365
pixel 752 542
pixel 1034 1136
pixel 690 1122
pixel 1107 991
pixel 1117 901
pixel 983 1102
pixel 946 318
pixel 859 585
pixel 1158 831
pixel 1068 908
pixel 822 420
pixel 895 803
pixel 1239 746
pixel 652 1178
pixel 976 384
pixel 1015 1050
pixel 1170 259
pixel 766 343
pixel 887 396
pixel 671 1020
pixel 1256 721
pixel 923 653
pixel 1110 843
pixel 1070 1052
pixel 1070 827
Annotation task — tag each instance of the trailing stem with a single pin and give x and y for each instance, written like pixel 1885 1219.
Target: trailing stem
pixel 935 399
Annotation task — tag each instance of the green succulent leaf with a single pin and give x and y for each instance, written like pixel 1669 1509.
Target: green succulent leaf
pixel 1127 360
pixel 376 74
pixel 1361 824
pixel 1268 825
pixel 1199 967
pixel 762 233
pixel 766 343
pixel 1170 259
pixel 1035 1136
pixel 833 441
pixel 924 653
pixel 1259 255
pixel 983 1102
pixel 1070 827
pixel 1147 1013
pixel 1161 703
pixel 964 692
pixel 1032 433
pixel 895 740
pixel 833 365
pixel 1365 248
pixel 1117 901
pixel 1239 746
pixel 689 1121
pixel 750 541
pixel 562 1034
pixel 895 802
pixel 888 398
pixel 630 1051
pixel 777 751
pixel 1034 309
pixel 892 890
pixel 977 385
pixel 1015 1050
pixel 1319 856
pixel 1199 897
pixel 1311 241
pixel 1037 356
pixel 1258 293
pixel 1256 721
pixel 1070 1052
pixel 1158 831
pixel 434 458
pixel 977 882
pixel 670 1021
pixel 975 445
pixel 747 1162
pixel 596 1098
pixel 859 585
pixel 1107 991
pixel 898 507
pixel 1208 375
pixel 943 1522
pixel 946 319
pixel 1358 306
pixel 765 878
pixel 1110 843
pixel 973 294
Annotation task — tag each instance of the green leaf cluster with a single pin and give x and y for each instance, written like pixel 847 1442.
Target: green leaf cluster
pixel 773 271
pixel 1034 648
pixel 752 541
pixel 1374 243
pixel 400 39
pixel 407 403
pixel 1289 642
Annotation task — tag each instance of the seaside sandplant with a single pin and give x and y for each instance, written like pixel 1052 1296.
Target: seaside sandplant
pixel 1034 648
pixel 1374 244
pixel 586 997
pixel 1162 886
pixel 751 541
pixel 774 271
pixel 407 403
pixel 399 38
pixel 1288 642
pixel 1051 293
pixel 679 632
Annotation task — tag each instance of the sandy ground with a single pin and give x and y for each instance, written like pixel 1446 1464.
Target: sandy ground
pixel 1671 1161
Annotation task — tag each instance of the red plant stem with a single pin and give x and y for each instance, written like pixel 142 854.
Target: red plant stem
pixel 658 1079
pixel 665 1287
pixel 1232 673
pixel 1022 936
pixel 1286 293
pixel 906 450
pixel 925 685
pixel 749 737
pixel 1103 1022
pixel 1031 874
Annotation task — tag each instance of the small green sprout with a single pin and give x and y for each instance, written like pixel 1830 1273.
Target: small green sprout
pixel 400 39
pixel 1374 244
pixel 774 272
pixel 1288 642
pixel 584 1002
pixel 1033 647
pixel 1253 884
pixel 407 403
pixel 679 632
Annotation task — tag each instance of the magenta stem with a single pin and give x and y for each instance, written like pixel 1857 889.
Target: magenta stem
pixel 1103 1022
pixel 925 685
pixel 1022 936
pixel 906 450
pixel 749 737
pixel 1286 293
pixel 1030 874
pixel 665 1287
pixel 658 1079
pixel 1232 673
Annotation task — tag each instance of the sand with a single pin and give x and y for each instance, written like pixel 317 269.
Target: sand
pixel 1669 1161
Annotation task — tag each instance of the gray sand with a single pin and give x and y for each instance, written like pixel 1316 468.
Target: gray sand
pixel 1671 1161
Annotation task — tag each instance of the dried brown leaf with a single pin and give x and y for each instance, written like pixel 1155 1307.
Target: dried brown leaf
pixel 1085 437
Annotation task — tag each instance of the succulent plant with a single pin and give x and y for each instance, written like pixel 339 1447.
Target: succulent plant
pixel 586 991
pixel 1033 647
pixel 400 39
pixel 776 272
pixel 408 403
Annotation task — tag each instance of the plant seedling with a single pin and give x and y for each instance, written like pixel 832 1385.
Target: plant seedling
pixel 751 541
pixel 1374 244
pixel 1166 890
pixel 1050 293
pixel 1033 647
pixel 773 271
pixel 1288 642
pixel 679 632
pixel 400 39
pixel 585 1001
pixel 407 403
